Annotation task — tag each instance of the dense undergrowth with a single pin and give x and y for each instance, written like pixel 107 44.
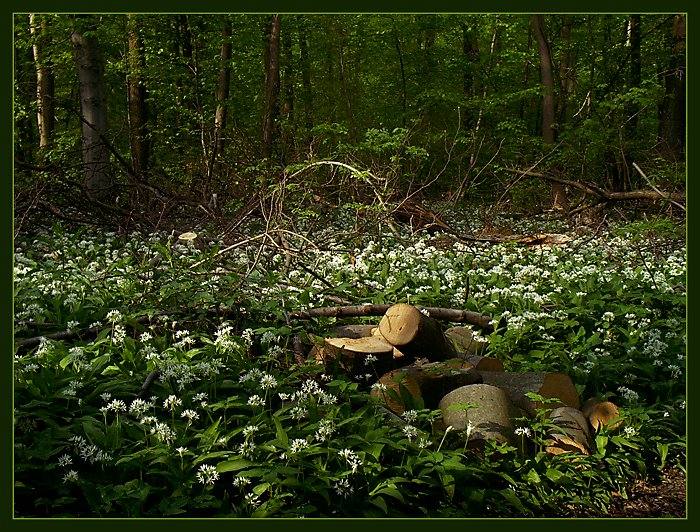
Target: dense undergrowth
pixel 235 427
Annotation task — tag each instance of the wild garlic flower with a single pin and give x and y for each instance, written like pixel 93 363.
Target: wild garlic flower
pixel 628 394
pixel 298 412
pixel 630 431
pixel 410 415
pixel 343 488
pixel 172 402
pixel 190 415
pixel 240 481
pixel 247 448
pixel 117 405
pixel 106 396
pixel 64 460
pixel 370 359
pixel 410 431
pixel 326 428
pixel 70 476
pixel 523 431
pixel 250 430
pixel 255 400
pixel 351 458
pixel 207 474
pixel 297 445
pixel 138 407
pixel 268 382
pixel 425 312
pixel 163 433
pixel 113 316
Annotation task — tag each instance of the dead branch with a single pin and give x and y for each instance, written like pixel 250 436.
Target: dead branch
pixel 353 311
pixel 606 195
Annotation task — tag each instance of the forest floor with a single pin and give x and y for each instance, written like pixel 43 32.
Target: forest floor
pixel 245 430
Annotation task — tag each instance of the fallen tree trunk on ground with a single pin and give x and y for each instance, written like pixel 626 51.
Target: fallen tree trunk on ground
pixel 356 311
pixel 606 195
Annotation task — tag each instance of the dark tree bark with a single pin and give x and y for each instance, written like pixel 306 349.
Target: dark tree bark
pixel 566 69
pixel 402 70
pixel 45 114
pixel 635 77
pixel 306 76
pixel 672 125
pixel 559 200
pixel 93 108
pixel 470 57
pixel 223 87
pixel 272 86
pixel 138 110
pixel 288 78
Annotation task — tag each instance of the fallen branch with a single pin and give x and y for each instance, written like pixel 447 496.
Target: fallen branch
pixel 353 311
pixel 593 190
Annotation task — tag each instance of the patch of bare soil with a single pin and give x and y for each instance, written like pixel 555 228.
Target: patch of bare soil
pixel 665 498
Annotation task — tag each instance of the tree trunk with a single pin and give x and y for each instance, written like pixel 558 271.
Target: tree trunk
pixel 402 69
pixel 559 201
pixel 222 91
pixel 672 126
pixel 272 86
pixel 306 76
pixel 288 131
pixel 470 56
pixel 93 108
pixel 45 114
pixel 635 79
pixel 566 69
pixel 138 110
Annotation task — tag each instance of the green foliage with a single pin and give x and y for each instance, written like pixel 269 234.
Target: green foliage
pixel 233 427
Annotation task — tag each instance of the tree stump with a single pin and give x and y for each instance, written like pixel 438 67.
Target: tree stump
pixel 548 385
pixel 414 333
pixel 353 331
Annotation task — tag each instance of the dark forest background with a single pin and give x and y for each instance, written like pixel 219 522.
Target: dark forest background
pixel 139 119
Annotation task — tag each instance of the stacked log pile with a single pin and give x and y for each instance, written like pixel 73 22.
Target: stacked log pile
pixel 423 366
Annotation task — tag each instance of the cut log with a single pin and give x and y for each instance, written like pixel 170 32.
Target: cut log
pixel 353 331
pixel 462 339
pixel 575 434
pixel 436 379
pixel 602 414
pixel 548 385
pixel 414 333
pixel 485 363
pixel 354 311
pixel 490 417
pixel 398 390
pixel 350 354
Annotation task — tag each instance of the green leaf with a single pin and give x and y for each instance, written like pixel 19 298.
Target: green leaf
pixel 233 465
pixel 280 432
pixel 380 503
pixel 533 477
pixel 554 474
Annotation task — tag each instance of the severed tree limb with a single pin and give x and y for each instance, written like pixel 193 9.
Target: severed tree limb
pixel 353 311
pixel 606 195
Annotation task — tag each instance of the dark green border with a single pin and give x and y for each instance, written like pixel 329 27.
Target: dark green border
pixel 6 220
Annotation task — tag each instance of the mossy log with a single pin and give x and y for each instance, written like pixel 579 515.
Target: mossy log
pixel 548 385
pixel 490 416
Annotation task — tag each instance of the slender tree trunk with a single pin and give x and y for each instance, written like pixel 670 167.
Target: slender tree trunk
pixel 470 56
pixel 566 69
pixel 402 70
pixel 559 201
pixel 672 125
pixel 272 86
pixel 289 130
pixel 635 79
pixel 222 91
pixel 138 110
pixel 44 80
pixel 93 108
pixel 306 76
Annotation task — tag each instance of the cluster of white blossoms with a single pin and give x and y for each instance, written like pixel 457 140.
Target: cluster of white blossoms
pixel 207 474
pixel 352 459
